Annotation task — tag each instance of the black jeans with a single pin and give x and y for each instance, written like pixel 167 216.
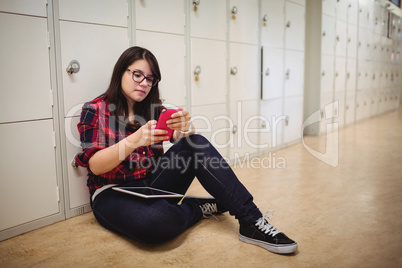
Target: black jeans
pixel 158 220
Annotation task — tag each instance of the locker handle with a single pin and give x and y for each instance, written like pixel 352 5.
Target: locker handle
pixel 196 3
pixel 267 72
pixel 234 130
pixel 288 24
pixel 73 67
pixel 233 71
pixel 288 74
pixel 323 33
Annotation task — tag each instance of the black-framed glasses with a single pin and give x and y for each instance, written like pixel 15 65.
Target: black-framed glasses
pixel 139 77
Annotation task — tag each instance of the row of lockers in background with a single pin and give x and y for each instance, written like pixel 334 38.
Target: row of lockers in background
pixel 242 67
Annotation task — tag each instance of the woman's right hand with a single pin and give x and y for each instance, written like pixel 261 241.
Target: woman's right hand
pixel 148 135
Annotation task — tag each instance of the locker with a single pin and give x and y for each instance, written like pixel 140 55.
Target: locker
pixel 342 10
pixel 109 12
pixel 326 98
pixel 362 43
pixel 329 7
pixel 295 26
pixel 353 12
pixel 29 189
pixel 28 78
pixel 244 78
pixel 273 30
pixel 26 7
pixel 208 59
pixel 244 21
pixel 212 122
pixel 350 107
pixel 339 110
pixel 84 43
pixel 245 131
pixel 364 13
pixel 293 121
pixel 340 74
pixel 160 15
pixel 208 20
pixel 374 101
pixel 351 75
pixel 172 87
pixel 341 38
pixel 327 73
pixel 272 126
pixel 328 35
pixel 352 41
pixel 294 75
pixel 272 73
pixel 77 177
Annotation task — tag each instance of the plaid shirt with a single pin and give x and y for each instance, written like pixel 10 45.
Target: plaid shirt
pixel 97 133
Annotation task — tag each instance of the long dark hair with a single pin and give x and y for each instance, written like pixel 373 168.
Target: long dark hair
pixel 147 109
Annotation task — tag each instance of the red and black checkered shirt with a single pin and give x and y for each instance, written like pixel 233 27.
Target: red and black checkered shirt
pixel 99 130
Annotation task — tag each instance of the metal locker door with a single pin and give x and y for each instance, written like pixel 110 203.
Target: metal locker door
pixel 328 37
pixel 329 7
pixel 327 73
pixel 353 12
pixel 166 16
pixel 341 38
pixel 244 133
pixel 244 72
pixel 272 128
pixel 339 111
pixel 208 72
pixel 273 23
pixel 352 41
pixel 342 10
pixel 272 73
pixel 25 69
pixel 293 123
pixel 340 74
pixel 244 21
pixel 173 85
pixel 350 108
pixel 26 7
pixel 107 12
pixel 29 188
pixel 295 26
pixel 351 75
pixel 294 73
pixel 96 47
pixel 208 20
pixel 212 122
pixel 326 98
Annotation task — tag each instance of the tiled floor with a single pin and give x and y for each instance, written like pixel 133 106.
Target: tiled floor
pixel 349 215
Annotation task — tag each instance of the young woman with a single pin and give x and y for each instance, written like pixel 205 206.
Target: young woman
pixel 122 147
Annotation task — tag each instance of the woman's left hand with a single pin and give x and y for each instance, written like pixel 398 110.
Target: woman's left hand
pixel 180 121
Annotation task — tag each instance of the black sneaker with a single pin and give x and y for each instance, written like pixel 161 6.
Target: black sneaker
pixel 265 235
pixel 209 206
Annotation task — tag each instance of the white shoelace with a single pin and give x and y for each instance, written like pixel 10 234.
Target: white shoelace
pixel 264 226
pixel 208 209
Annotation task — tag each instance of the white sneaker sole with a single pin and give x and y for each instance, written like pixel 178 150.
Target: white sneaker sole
pixel 280 249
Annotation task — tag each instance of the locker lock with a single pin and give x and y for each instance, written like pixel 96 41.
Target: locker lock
pixel 197 72
pixel 265 19
pixel 73 67
pixel 195 4
pixel 234 12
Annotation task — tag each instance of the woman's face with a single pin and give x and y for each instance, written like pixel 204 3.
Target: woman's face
pixel 134 91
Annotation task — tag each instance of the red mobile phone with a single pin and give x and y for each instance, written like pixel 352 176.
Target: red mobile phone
pixel 166 115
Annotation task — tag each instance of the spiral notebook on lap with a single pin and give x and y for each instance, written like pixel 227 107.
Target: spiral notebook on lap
pixel 147 192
